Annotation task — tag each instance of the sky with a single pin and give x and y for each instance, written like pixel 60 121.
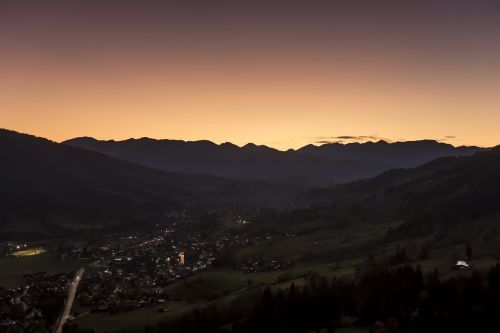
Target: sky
pixel 279 73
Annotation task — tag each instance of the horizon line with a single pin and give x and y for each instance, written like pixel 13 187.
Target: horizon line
pixel 316 143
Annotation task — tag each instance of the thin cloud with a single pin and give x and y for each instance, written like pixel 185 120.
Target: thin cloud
pixel 349 139
pixel 329 141
pixel 447 138
pixel 344 139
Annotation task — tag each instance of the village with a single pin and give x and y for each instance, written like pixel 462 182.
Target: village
pixel 124 273
pixel 34 304
pixel 131 273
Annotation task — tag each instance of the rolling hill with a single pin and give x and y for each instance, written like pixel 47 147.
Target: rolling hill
pixel 432 212
pixel 455 198
pixel 46 185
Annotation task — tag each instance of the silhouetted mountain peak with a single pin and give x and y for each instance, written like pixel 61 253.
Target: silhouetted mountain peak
pixel 382 142
pixel 44 180
pixel 254 147
pixel 203 142
pixel 229 146
pixel 81 138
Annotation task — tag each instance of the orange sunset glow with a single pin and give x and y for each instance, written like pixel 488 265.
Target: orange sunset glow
pixel 244 166
pixel 276 74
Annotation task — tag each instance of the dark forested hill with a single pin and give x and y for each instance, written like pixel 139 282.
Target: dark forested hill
pixel 455 193
pixel 46 181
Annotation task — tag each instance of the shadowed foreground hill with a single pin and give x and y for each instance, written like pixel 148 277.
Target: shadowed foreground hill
pixel 311 165
pixel 45 181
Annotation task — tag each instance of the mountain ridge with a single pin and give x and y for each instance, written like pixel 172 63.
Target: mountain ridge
pixel 252 144
pixel 47 181
pixel 310 165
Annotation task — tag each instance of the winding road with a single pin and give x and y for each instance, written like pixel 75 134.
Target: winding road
pixel 69 301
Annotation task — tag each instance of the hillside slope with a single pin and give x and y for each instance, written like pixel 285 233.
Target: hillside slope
pixel 46 181
pixel 450 196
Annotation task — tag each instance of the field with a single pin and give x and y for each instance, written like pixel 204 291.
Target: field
pixel 189 294
pixel 185 295
pixel 12 269
pixel 353 330
pixel 132 321
pixel 339 243
pixel 330 253
pixel 28 252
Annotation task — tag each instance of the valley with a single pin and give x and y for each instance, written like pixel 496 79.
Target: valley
pixel 168 251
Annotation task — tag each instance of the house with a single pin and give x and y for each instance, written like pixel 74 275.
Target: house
pixel 462 265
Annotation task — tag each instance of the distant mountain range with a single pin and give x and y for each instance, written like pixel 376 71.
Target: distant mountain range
pixel 408 154
pixel 54 184
pixel 310 166
pixel 49 187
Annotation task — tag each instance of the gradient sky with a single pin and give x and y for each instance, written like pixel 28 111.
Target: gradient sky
pixel 280 73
